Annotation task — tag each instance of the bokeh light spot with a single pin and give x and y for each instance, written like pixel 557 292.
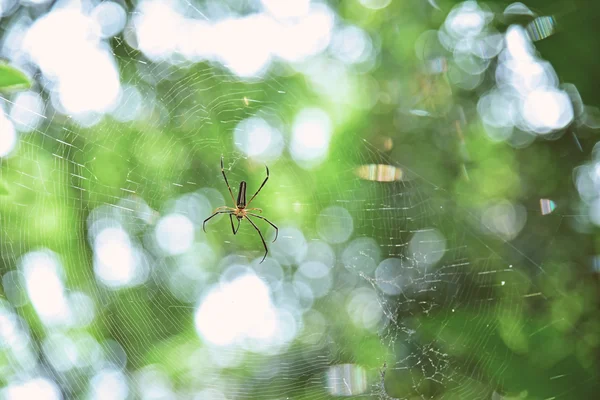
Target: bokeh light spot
pixel 8 135
pixel 236 311
pixel 334 224
pixel 37 388
pixel 117 263
pixel 175 233
pixel 27 111
pixel 311 133
pixel 427 247
pixel 44 281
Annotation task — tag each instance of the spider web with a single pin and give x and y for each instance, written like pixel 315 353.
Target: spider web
pixel 425 317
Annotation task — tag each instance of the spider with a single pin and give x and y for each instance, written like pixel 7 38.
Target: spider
pixel 240 211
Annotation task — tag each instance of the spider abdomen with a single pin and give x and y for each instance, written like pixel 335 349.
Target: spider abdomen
pixel 241 200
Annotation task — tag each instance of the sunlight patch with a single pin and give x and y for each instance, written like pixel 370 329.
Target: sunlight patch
pixel 80 71
pixel 246 45
pixel 175 233
pixel 288 8
pixel 27 111
pixel 258 139
pixel 238 311
pixel 37 388
pixel 8 135
pixel 44 281
pixel 311 134
pixel 111 18
pixel 109 384
pixel 117 263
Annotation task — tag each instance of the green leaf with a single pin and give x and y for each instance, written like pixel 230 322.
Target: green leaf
pixel 3 189
pixel 12 78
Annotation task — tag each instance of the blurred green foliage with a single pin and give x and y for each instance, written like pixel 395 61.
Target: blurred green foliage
pixel 536 336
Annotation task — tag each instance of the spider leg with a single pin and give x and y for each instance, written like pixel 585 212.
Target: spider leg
pixel 227 182
pixel 254 209
pixel 261 186
pixel 261 238
pixel 235 230
pixel 224 208
pixel 214 215
pixel 268 222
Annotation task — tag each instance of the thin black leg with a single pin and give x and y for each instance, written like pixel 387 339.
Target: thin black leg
pixel 268 222
pixel 261 238
pixel 261 186
pixel 227 182
pixel 214 215
pixel 235 230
